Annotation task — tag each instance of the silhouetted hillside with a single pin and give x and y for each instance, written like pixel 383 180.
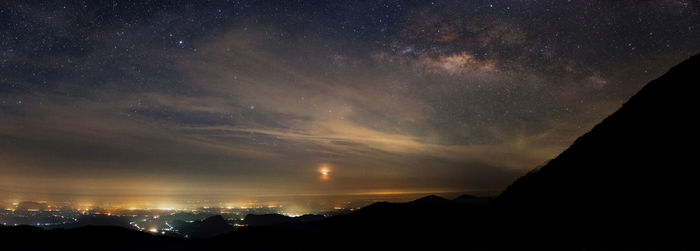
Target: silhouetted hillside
pixel 85 238
pixel 471 200
pixel 423 213
pixel 430 210
pixel 428 222
pixel 265 219
pixel 274 219
pixel 637 171
pixel 209 227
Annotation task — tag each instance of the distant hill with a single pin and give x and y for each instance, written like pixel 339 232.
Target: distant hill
pixel 638 170
pixel 471 200
pixel 429 211
pixel 209 227
pixel 275 219
pixel 382 225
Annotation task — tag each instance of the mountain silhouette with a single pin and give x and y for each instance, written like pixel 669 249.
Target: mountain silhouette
pixel 416 215
pixel 85 238
pixel 274 219
pixel 209 227
pixel 471 200
pixel 427 222
pixel 638 170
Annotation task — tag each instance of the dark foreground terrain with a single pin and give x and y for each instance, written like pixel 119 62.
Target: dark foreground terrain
pixel 631 183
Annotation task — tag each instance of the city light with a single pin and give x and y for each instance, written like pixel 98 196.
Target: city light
pixel 157 218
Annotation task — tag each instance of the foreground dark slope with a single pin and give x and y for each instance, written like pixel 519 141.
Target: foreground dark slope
pixel 637 171
pixel 426 223
pixel 85 238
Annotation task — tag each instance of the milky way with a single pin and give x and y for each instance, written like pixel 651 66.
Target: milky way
pixel 254 97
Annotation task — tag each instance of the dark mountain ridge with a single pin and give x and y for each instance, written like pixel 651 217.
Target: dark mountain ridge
pixel 209 227
pixel 427 222
pixel 637 170
pixel 275 219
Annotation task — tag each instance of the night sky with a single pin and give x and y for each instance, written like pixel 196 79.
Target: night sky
pixel 253 98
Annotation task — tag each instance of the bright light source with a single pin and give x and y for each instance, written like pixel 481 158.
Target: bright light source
pixel 325 171
pixel 153 230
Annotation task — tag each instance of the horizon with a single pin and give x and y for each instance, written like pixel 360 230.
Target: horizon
pixel 143 104
pixel 302 203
